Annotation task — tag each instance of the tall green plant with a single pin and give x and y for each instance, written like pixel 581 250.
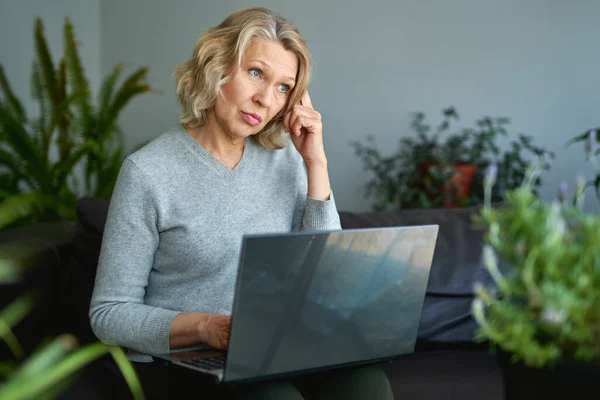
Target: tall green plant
pixel 35 185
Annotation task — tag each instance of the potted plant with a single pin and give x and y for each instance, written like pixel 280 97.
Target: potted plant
pixel 444 168
pixel 36 185
pixel 542 316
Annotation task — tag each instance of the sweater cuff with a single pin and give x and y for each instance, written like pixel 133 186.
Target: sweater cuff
pixel 158 325
pixel 321 215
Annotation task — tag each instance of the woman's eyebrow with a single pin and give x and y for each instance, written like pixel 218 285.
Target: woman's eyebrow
pixel 267 66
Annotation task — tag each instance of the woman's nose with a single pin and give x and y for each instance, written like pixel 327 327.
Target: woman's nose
pixel 264 96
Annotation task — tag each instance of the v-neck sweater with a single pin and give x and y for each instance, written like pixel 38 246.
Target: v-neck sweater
pixel 174 231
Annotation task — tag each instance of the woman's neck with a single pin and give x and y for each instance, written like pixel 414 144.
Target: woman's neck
pixel 221 146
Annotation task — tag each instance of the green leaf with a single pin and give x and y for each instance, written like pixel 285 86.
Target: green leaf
pixel 22 386
pixel 76 74
pixel 64 167
pixel 61 80
pixel 133 86
pixel 19 206
pixel 584 136
pixel 106 91
pixel 44 60
pixel 47 357
pixel 15 105
pixel 61 119
pixel 56 390
pixel 16 137
pixel 61 112
pixel 41 124
pixel 22 382
pixel 10 272
pixel 14 313
pixel 11 340
pixel 10 316
pixel 128 372
pixel 6 368
pixel 108 177
pixel 8 160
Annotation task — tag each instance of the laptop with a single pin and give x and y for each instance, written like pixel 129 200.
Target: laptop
pixel 310 301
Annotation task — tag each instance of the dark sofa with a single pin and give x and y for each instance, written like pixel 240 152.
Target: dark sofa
pixel 446 364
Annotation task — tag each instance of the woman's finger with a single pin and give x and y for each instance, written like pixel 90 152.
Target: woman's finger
pixel 311 125
pixel 306 112
pixel 294 121
pixel 290 118
pixel 286 120
pixel 296 125
pixel 306 101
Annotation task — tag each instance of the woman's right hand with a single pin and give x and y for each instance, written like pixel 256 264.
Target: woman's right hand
pixel 215 331
pixel 193 328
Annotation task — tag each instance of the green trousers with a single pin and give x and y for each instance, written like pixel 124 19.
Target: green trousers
pixel 164 381
pixel 348 384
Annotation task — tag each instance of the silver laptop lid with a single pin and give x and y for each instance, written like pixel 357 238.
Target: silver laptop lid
pixel 308 301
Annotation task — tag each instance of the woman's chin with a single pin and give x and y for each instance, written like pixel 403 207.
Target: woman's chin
pixel 243 134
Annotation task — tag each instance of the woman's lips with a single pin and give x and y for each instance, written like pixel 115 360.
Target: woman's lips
pixel 252 119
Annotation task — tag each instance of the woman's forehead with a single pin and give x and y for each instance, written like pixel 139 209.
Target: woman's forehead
pixel 273 56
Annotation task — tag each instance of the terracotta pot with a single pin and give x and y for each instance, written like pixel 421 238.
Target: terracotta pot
pixel 459 186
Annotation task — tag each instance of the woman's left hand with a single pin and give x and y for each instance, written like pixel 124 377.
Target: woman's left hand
pixel 304 124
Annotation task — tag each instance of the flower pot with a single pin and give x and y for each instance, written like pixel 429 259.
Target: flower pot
pixel 459 187
pixel 568 380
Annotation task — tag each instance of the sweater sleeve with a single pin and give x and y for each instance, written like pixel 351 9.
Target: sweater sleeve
pixel 118 314
pixel 312 214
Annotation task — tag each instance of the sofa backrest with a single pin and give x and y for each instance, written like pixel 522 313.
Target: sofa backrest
pixel 456 263
pixel 457 259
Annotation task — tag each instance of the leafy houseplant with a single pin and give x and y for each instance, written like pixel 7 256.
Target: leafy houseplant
pixel 51 369
pixel 543 316
pixel 35 185
pixel 428 170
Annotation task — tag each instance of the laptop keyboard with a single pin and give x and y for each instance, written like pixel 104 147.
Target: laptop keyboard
pixel 208 363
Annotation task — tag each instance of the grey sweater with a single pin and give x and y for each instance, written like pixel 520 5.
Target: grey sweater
pixel 174 230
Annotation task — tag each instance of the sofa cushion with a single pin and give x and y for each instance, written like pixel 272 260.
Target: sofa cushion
pixel 92 213
pixel 456 266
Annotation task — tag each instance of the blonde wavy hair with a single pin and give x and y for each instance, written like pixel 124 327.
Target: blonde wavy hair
pixel 199 79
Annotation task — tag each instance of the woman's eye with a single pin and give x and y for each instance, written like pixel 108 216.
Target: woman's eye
pixel 283 88
pixel 255 73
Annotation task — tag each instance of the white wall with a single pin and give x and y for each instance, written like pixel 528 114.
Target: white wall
pixel 17 18
pixel 534 61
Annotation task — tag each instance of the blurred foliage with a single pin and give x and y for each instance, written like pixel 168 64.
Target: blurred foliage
pixel 52 367
pixel 547 309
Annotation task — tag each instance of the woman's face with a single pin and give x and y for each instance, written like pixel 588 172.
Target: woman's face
pixel 258 89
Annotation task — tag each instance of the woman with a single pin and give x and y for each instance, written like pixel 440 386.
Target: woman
pixel 182 203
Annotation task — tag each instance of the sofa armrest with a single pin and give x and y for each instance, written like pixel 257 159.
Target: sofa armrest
pixel 42 250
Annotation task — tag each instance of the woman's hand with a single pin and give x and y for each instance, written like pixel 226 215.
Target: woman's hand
pixel 304 124
pixel 192 328
pixel 215 330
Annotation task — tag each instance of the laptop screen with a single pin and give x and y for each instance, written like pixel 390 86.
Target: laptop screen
pixel 313 300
